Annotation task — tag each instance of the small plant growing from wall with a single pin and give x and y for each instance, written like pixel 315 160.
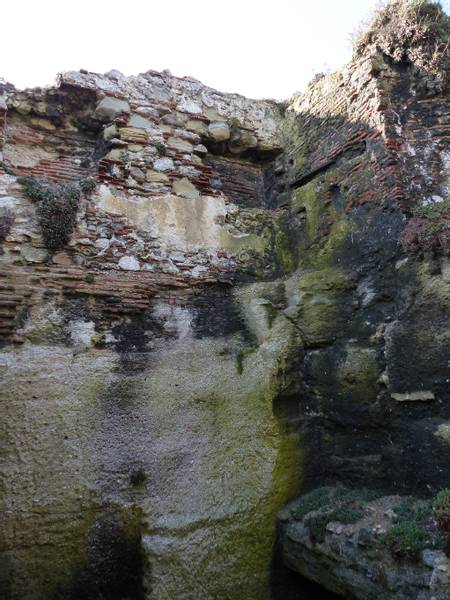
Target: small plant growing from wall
pixel 410 532
pixel 417 30
pixel 57 205
pixel 429 229
pixel 441 511
pixel 332 504
pixel 87 185
pixel 161 149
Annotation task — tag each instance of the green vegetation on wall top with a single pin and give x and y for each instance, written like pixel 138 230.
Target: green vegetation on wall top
pixel 417 30
pixel 416 525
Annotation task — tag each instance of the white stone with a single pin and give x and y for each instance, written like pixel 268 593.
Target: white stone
pixel 418 396
pixel 189 106
pixel 129 263
pixel 443 432
pixel 197 125
pixel 102 243
pixel 8 202
pixel 163 164
pixel 141 123
pixel 188 171
pixel 219 131
pixel 176 319
pixel 7 179
pixel 156 177
pixel 110 132
pixel 183 187
pixel 199 271
pixel 32 254
pixel 147 111
pixel 81 332
pixel 115 74
pixel 109 108
pixel 401 263
pixel 168 267
pixel 201 150
pixel 180 144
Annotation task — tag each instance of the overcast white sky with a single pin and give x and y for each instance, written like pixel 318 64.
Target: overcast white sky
pixel 259 48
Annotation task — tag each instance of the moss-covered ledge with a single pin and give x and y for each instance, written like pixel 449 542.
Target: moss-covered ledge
pixel 362 545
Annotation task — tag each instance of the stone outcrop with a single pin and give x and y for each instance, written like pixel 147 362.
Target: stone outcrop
pixel 253 301
pixel 352 561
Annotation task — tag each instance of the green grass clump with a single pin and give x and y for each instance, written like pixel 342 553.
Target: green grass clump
pixel 361 495
pixel 315 500
pixel 434 210
pixel 346 514
pixel 429 228
pixel 441 511
pixel 317 525
pixel 331 504
pixel 57 205
pixel 416 524
pixel 331 498
pixel 412 509
pixel 88 185
pixel 413 529
pixel 416 30
pixel 408 539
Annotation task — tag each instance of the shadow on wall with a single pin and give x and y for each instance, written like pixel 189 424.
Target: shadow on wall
pixel 373 315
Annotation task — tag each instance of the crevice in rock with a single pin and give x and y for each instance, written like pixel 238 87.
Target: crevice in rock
pixel 347 153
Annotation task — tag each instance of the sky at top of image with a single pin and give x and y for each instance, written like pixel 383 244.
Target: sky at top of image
pixel 261 49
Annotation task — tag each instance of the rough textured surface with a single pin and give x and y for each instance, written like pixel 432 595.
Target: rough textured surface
pixel 249 305
pixel 352 561
pixel 366 150
pixel 137 382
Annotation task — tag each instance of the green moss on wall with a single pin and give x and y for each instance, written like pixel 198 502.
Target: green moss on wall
pixel 305 197
pixel 285 249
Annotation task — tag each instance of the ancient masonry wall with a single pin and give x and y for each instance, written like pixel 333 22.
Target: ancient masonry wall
pixel 247 307
pixel 165 209
pixel 138 373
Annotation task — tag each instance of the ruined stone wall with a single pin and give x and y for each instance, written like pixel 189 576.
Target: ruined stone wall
pixel 142 457
pixel 365 148
pixel 254 301
pixel 366 157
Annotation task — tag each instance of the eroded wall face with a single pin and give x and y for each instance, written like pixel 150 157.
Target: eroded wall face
pixel 249 305
pixel 366 153
pixel 142 457
pixel 366 157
